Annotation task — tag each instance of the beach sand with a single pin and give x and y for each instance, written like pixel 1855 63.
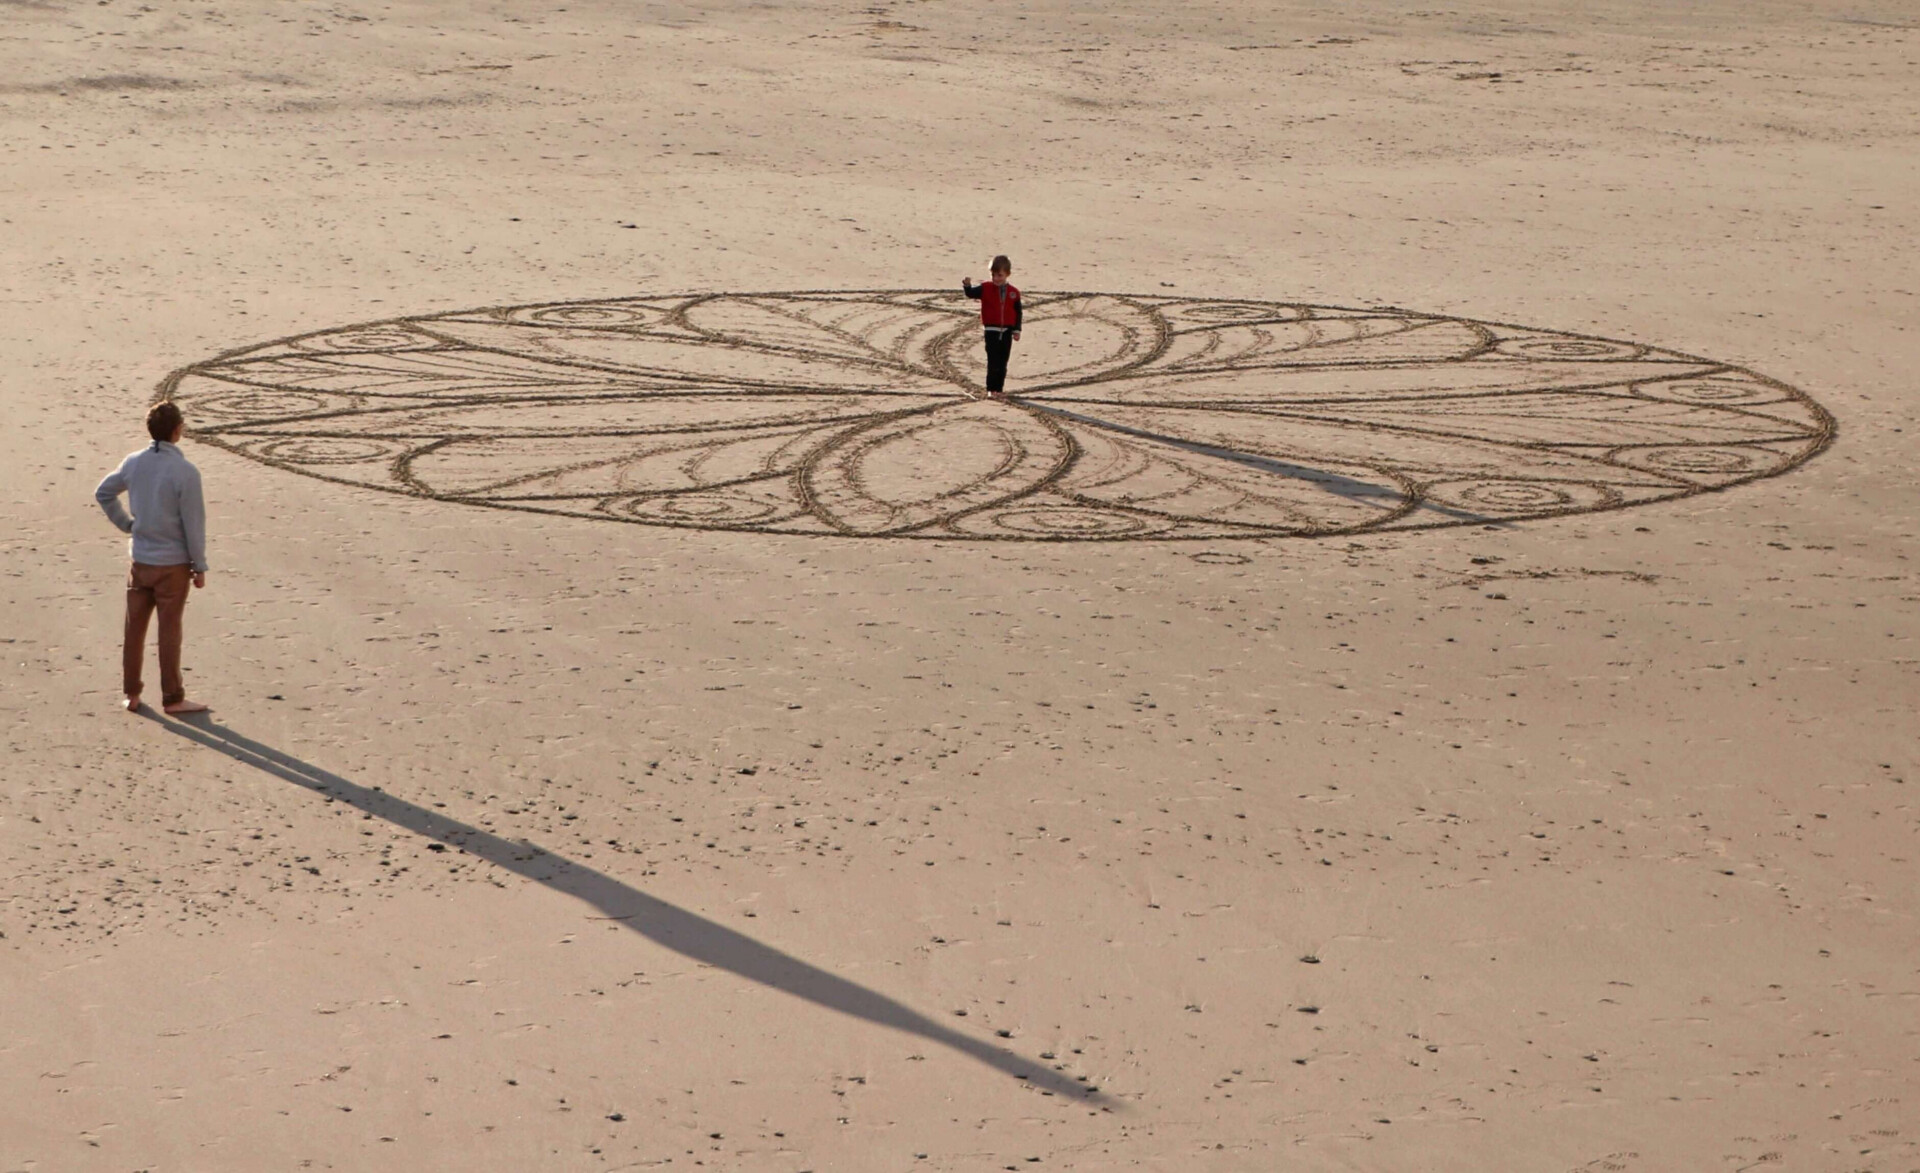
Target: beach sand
pixel 541 842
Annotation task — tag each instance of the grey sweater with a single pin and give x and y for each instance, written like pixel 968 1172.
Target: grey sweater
pixel 169 521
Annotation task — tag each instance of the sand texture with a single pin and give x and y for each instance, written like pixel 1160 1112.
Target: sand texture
pixel 1421 674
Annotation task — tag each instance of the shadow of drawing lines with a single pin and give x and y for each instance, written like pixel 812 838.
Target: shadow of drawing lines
pixel 1347 487
pixel 686 933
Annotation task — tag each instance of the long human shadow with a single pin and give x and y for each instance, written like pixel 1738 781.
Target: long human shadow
pixel 1364 492
pixel 686 933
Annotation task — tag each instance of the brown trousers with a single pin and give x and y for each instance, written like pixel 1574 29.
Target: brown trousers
pixel 162 588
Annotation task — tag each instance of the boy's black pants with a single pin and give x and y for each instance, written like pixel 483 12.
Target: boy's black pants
pixel 999 346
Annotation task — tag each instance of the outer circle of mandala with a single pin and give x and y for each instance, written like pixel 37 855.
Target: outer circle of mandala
pixel 1784 427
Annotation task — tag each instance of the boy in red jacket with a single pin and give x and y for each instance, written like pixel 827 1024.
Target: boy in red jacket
pixel 1000 315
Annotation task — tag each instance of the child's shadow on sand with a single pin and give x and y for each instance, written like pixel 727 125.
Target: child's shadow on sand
pixel 685 933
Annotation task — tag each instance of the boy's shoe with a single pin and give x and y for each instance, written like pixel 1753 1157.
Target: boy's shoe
pixel 132 702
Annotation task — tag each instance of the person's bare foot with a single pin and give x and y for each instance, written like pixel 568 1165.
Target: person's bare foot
pixel 133 702
pixel 187 707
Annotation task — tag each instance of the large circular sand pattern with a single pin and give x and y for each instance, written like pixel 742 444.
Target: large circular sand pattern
pixel 861 414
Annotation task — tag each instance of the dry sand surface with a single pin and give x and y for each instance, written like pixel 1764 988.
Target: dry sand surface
pixel 524 839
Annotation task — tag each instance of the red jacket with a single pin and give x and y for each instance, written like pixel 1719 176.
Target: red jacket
pixel 999 305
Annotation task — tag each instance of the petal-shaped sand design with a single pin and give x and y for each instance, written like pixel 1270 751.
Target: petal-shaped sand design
pixel 862 414
pixel 907 472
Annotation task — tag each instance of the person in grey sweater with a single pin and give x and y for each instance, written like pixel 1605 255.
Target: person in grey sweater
pixel 169 528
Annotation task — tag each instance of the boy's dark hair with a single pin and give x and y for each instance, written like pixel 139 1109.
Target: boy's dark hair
pixel 1001 262
pixel 162 420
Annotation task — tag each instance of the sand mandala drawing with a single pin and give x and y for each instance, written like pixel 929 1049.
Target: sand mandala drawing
pixel 861 414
